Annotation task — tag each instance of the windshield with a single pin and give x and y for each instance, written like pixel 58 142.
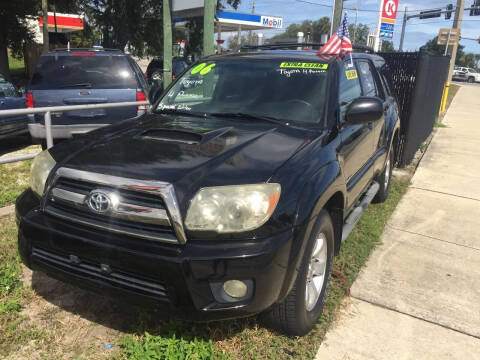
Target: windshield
pixel 78 70
pixel 289 91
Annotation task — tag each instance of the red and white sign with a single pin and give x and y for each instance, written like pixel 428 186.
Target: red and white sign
pixel 390 8
pixel 65 22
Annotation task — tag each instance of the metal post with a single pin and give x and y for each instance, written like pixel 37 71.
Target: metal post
pixel 239 35
pixel 167 44
pixel 457 24
pixel 377 43
pixel 45 26
pixel 355 28
pixel 402 38
pixel 208 27
pixel 48 129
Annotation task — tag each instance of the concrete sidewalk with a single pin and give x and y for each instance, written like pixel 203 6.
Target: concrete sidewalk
pixel 419 295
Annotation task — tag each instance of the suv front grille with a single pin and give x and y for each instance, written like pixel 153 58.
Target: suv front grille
pixel 74 265
pixel 131 207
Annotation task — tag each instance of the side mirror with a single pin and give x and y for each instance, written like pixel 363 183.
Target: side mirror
pixel 364 110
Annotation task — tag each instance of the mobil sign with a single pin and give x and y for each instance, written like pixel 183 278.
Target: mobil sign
pixel 272 21
pixel 388 12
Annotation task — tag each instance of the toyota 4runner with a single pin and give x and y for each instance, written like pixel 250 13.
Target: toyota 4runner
pixel 230 199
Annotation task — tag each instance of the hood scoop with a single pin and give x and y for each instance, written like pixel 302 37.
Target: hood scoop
pixel 182 136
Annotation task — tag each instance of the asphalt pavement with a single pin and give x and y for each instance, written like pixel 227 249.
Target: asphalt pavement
pixel 418 296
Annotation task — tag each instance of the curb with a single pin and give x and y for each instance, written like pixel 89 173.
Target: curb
pixel 7 210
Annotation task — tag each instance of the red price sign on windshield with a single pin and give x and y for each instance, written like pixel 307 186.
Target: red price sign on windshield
pixel 390 8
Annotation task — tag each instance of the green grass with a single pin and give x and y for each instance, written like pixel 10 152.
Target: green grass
pixel 451 94
pixel 14 178
pixel 439 124
pixel 15 332
pixel 17 66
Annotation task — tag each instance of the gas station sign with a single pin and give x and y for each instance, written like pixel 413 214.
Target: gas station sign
pixel 387 21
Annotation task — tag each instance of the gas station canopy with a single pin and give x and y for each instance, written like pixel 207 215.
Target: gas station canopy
pixel 65 22
pixel 231 21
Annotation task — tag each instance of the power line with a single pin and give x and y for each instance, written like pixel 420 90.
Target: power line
pixel 360 10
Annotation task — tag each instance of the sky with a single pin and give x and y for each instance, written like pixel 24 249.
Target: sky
pixel 418 32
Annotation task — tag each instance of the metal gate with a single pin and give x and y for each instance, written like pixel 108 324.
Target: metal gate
pixel 418 80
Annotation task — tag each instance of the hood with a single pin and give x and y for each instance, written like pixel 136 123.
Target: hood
pixel 188 152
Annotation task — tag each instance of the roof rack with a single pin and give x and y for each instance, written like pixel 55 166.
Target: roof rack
pixel 361 48
pixel 86 49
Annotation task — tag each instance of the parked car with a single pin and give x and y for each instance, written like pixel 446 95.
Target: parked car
pixel 466 74
pixel 230 199
pixel 11 98
pixel 80 77
pixel 155 69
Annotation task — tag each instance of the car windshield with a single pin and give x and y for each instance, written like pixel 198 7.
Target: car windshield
pixel 83 70
pixel 275 89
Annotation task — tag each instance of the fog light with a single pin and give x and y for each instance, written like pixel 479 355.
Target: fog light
pixel 235 288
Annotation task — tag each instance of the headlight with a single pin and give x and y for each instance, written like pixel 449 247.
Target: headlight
pixel 41 167
pixel 228 209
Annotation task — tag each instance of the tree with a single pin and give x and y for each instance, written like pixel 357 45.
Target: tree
pixel 432 48
pixel 359 34
pixel 14 29
pixel 468 60
pixel 250 39
pixel 387 46
pixel 318 28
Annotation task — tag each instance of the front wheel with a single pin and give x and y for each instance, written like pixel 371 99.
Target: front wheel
pixel 471 80
pixel 301 309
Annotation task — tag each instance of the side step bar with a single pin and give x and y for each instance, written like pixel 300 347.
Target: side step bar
pixel 357 212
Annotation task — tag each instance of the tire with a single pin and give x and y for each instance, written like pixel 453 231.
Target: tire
pixel 295 315
pixel 384 180
pixel 471 80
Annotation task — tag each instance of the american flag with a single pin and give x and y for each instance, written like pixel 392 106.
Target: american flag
pixel 339 43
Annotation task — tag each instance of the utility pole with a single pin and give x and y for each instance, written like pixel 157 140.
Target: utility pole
pixel 457 24
pixel 250 39
pixel 45 26
pixel 402 38
pixel 208 27
pixel 167 44
pixel 337 15
pixel 355 28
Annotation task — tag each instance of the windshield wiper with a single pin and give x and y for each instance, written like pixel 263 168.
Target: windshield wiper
pixel 85 85
pixel 246 116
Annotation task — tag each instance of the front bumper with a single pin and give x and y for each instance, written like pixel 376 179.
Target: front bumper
pixel 184 278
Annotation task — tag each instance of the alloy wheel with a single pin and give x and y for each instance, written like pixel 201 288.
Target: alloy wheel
pixel 316 272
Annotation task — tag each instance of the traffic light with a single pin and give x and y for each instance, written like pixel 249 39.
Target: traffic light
pixel 448 14
pixel 475 10
pixel 428 14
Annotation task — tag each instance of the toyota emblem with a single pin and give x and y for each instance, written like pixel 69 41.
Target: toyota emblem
pixel 99 202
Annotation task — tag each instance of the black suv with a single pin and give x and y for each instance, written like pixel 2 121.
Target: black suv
pixel 231 198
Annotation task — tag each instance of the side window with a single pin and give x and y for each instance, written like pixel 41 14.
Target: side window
pixel 386 86
pixel 349 89
pixel 366 77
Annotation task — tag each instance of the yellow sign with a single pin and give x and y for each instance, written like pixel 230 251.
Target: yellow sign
pixel 351 74
pixel 202 68
pixel 302 65
pixel 450 36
